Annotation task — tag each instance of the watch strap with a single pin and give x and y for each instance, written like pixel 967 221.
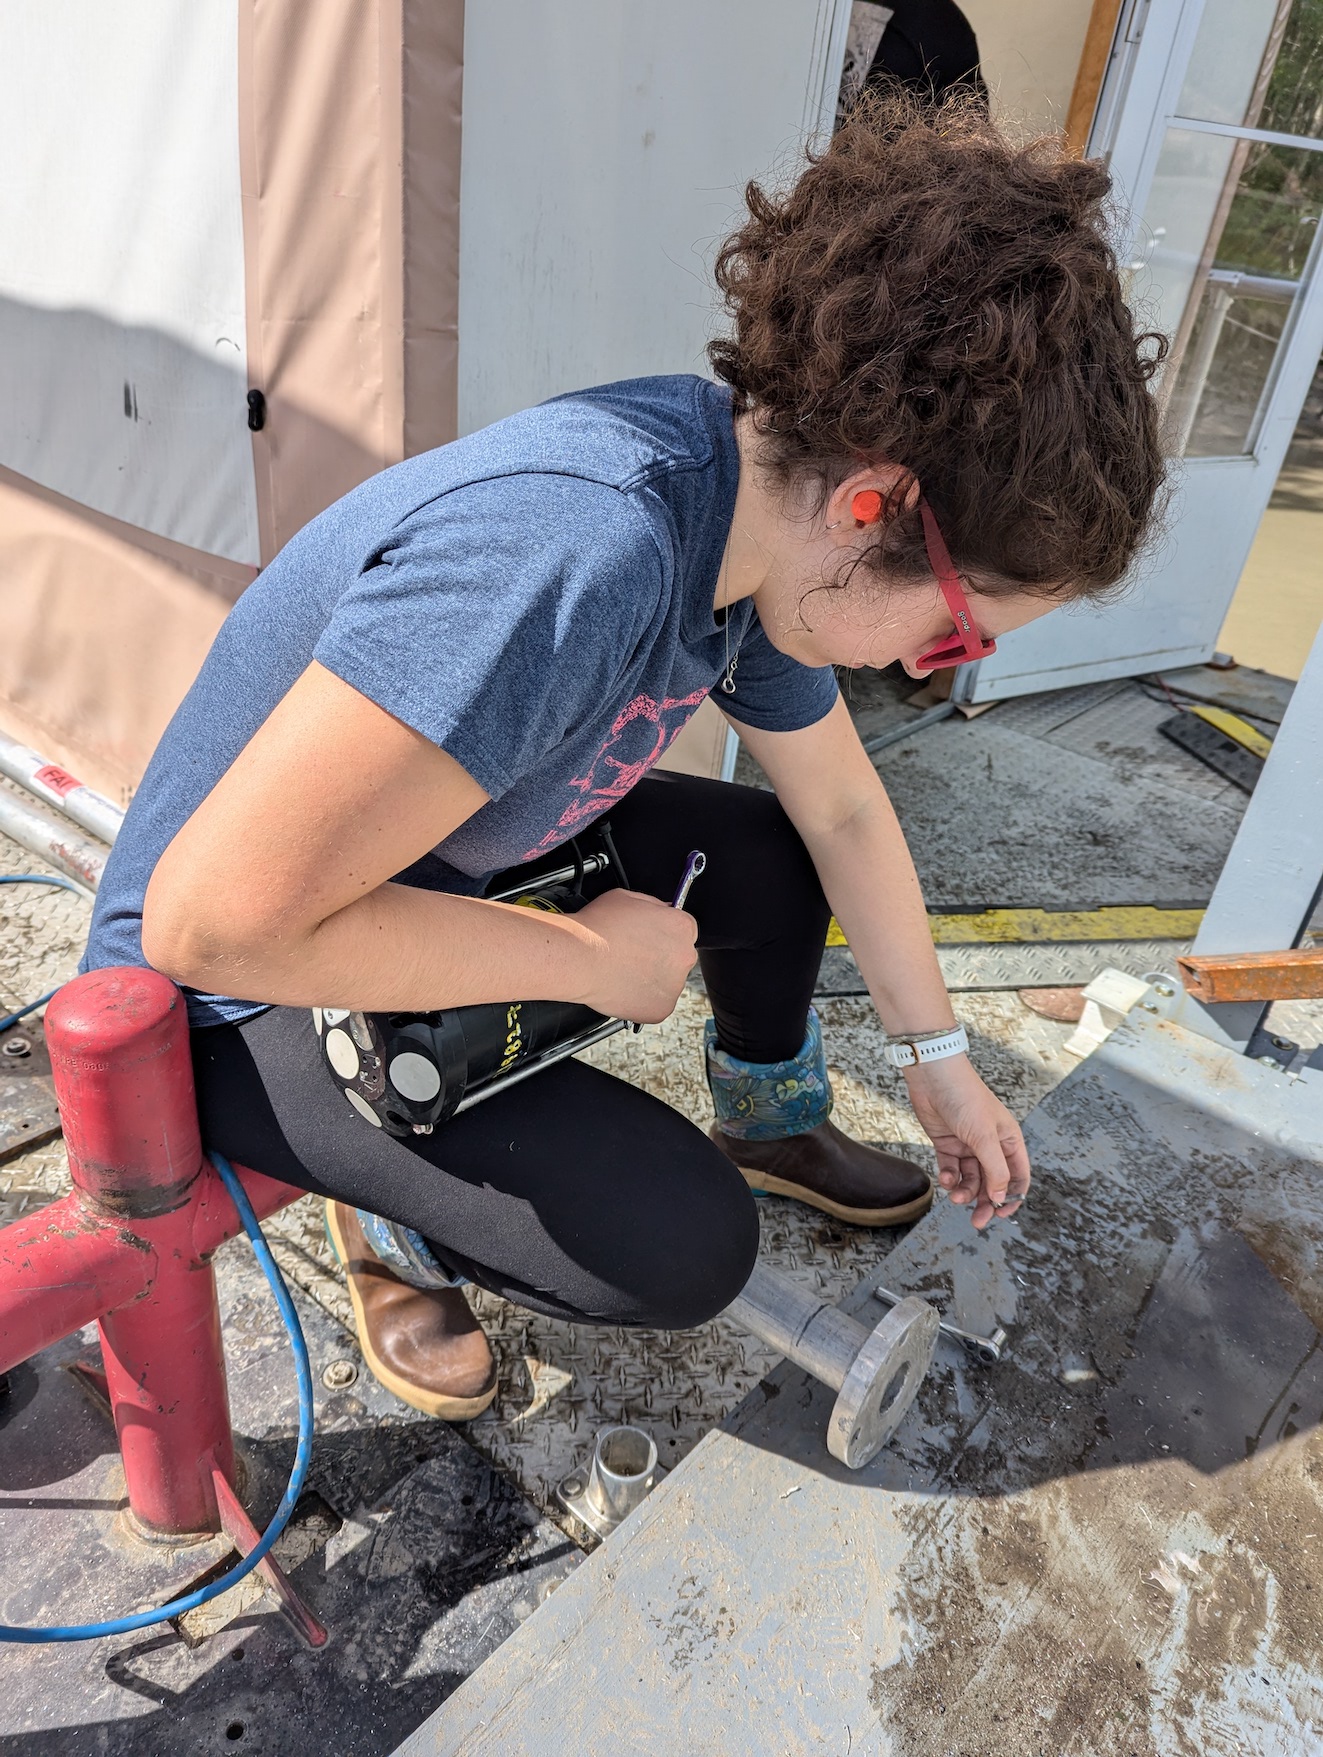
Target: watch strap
pixel 910 1052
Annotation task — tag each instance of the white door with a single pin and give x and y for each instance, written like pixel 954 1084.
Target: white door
pixel 606 148
pixel 1212 121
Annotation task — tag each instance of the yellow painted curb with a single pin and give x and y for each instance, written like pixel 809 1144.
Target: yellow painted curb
pixel 1235 728
pixel 993 927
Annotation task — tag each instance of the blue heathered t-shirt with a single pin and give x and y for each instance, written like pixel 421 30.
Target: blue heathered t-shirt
pixel 535 598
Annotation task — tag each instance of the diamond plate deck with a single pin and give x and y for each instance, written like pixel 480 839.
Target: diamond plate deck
pixel 42 929
pixel 29 1114
pixel 1038 716
pixel 417 1554
pixel 1123 730
pixel 971 969
pixel 560 1382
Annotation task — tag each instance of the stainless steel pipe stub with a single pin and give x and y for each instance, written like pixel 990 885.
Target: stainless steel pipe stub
pixel 623 1470
pixel 875 1373
pixel 882 1383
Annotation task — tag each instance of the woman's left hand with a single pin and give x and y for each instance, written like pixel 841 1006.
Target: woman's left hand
pixel 981 1155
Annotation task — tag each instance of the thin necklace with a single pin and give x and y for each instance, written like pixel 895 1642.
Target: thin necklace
pixel 728 678
pixel 728 681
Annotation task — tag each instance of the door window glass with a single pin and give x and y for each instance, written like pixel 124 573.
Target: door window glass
pixel 1237 293
pixel 1231 223
pixel 1228 54
pixel 1258 64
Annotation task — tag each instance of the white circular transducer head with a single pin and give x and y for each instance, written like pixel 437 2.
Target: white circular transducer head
pixel 341 1054
pixel 414 1077
pixel 362 1106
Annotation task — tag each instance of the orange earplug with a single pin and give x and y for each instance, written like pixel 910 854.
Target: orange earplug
pixel 866 507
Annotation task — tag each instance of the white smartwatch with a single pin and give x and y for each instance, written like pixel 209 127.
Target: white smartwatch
pixel 932 1046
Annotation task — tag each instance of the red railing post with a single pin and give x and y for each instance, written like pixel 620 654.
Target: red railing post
pixel 131 1245
pixel 124 1081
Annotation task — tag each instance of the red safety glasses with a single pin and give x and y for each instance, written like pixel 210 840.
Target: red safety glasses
pixel 967 643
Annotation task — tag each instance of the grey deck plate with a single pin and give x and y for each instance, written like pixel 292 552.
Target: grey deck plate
pixel 1065 800
pixel 1244 690
pixel 992 818
pixel 28 1111
pixel 1034 964
pixel 1106 1546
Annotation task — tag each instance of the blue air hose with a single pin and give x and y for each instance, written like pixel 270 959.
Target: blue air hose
pixel 302 1456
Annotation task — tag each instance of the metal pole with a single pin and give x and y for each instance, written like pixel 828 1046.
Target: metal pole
pixel 808 1331
pixel 875 1373
pixel 120 1059
pixel 930 717
pixel 51 840
pixel 55 786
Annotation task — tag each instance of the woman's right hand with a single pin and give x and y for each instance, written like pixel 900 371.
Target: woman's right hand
pixel 642 950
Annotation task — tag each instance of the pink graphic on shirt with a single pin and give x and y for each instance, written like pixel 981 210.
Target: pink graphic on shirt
pixel 640 734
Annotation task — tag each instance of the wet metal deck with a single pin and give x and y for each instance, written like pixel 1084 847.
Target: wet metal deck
pixel 1110 1545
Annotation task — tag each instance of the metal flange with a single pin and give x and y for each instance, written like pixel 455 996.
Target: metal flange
pixel 875 1373
pixel 882 1383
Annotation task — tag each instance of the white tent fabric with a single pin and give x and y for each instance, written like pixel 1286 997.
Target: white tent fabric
pixel 123 353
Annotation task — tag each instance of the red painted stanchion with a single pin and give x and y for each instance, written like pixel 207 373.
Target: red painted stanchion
pixel 130 1246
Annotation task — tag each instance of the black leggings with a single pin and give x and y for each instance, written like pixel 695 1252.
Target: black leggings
pixel 574 1194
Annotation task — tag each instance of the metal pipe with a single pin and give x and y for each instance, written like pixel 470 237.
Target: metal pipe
pixel 875 1373
pixel 1244 286
pixel 60 1269
pixel 930 717
pixel 816 1336
pixel 55 786
pixel 51 840
pixel 592 863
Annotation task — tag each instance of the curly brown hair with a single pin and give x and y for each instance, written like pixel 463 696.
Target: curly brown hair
pixel 927 294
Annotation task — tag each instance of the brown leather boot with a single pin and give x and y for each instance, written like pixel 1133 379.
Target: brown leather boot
pixel 828 1170
pixel 424 1344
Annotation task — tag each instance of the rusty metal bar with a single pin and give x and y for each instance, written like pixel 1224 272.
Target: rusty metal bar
pixel 1254 976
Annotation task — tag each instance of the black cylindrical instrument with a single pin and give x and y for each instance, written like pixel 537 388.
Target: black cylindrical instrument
pixel 407 1072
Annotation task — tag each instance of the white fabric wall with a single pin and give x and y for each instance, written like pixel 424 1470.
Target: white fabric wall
pixel 606 146
pixel 123 373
